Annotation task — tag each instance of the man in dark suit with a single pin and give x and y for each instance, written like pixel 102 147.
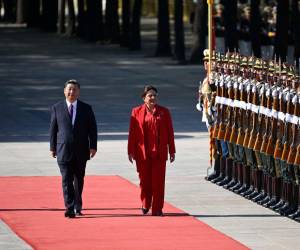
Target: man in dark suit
pixel 73 141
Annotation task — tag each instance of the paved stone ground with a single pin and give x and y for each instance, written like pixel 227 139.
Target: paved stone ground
pixel 33 68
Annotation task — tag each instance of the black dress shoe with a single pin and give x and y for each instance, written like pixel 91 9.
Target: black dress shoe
pixel 145 210
pixel 79 213
pixel 69 214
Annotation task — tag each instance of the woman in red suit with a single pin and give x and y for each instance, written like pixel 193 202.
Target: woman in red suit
pixel 151 138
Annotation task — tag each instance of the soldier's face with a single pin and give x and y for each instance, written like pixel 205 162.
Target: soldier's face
pixel 227 70
pixel 206 65
pixel 214 66
pixel 71 92
pixel 259 74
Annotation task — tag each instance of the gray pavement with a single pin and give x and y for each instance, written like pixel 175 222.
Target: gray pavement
pixel 33 68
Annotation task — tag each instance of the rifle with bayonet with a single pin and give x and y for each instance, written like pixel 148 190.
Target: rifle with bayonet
pixel 248 115
pixel 272 138
pixel 222 125
pixel 254 107
pixel 281 123
pixel 280 118
pixel 234 128
pixel 218 104
pixel 264 143
pixel 287 128
pixel 261 122
pixel 241 130
pixel 229 111
pixel 295 127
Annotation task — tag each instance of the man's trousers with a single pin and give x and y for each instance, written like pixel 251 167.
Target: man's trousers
pixel 72 183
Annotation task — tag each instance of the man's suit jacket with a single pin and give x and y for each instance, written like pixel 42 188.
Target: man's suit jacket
pixel 136 140
pixel 72 141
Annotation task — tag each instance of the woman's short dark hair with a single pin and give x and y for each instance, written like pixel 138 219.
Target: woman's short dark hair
pixel 72 81
pixel 147 88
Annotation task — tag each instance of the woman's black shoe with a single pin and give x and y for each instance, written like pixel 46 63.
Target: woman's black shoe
pixel 160 213
pixel 145 210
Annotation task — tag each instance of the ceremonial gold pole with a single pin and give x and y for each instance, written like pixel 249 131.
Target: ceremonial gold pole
pixel 210 48
pixel 210 33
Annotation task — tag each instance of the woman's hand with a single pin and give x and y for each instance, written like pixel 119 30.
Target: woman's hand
pixel 130 158
pixel 172 157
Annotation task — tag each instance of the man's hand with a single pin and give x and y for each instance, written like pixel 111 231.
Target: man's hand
pixel 130 158
pixel 53 153
pixel 92 152
pixel 172 157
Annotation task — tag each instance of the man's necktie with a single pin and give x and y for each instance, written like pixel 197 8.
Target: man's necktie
pixel 71 111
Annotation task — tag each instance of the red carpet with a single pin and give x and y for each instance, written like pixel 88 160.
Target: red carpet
pixel 33 208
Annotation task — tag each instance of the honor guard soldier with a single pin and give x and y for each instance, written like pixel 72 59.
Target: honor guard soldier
pixel 273 187
pixel 220 123
pixel 289 149
pixel 256 172
pixel 252 107
pixel 206 103
pixel 286 169
pixel 268 159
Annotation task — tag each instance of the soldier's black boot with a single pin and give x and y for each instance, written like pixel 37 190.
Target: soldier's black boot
pixel 216 172
pixel 240 178
pixel 251 181
pixel 297 213
pixel 276 191
pixel 287 204
pixel 281 202
pixel 234 176
pixel 293 201
pixel 228 173
pixel 222 171
pixel 257 184
pixel 268 191
pixel 263 192
pixel 246 180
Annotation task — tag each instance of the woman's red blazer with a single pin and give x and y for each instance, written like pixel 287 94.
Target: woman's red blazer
pixel 136 142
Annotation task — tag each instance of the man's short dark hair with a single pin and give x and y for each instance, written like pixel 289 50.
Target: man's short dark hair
pixel 148 88
pixel 72 81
